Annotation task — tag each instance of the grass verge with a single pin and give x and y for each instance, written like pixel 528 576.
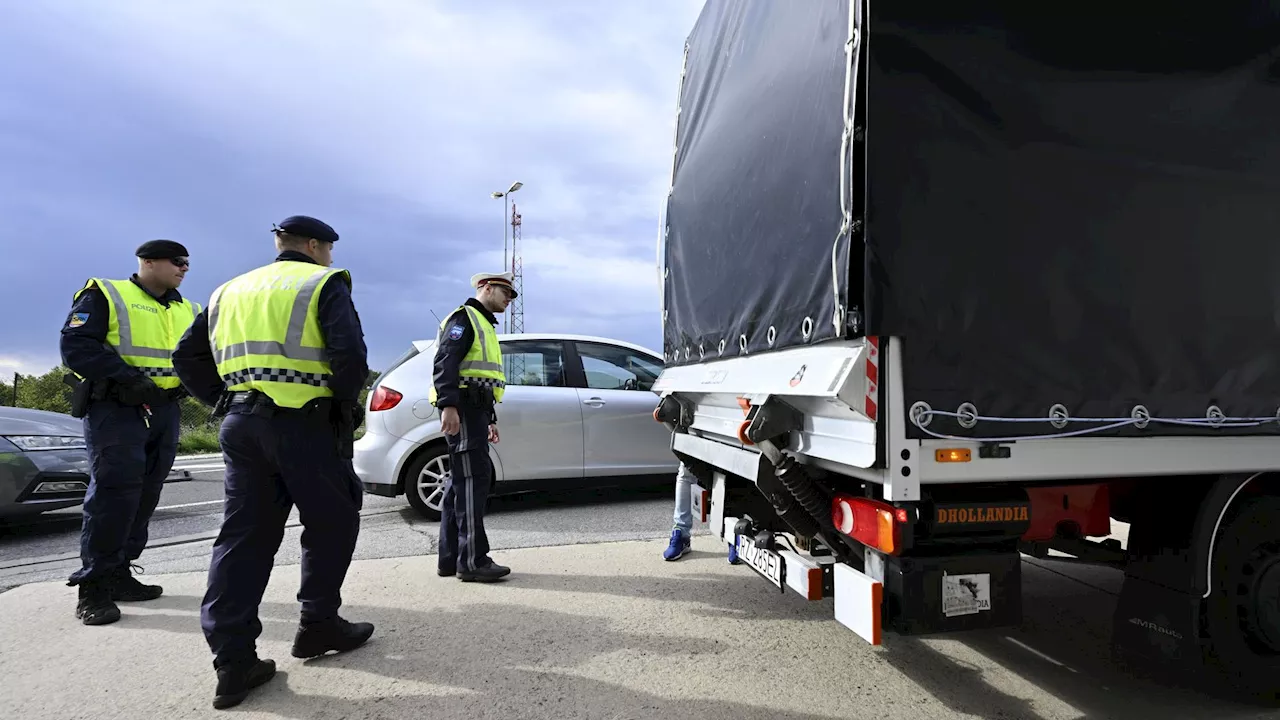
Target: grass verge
pixel 204 439
pixel 194 440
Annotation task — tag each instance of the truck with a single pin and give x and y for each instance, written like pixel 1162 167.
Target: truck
pixel 949 284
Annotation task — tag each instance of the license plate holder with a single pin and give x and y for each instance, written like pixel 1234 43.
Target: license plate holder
pixel 765 562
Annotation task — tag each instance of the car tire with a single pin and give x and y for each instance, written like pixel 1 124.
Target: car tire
pixel 424 480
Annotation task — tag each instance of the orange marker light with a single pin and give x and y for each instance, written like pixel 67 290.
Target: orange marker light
pixel 949 455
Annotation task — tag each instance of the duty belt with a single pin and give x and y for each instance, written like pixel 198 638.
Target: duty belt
pixel 250 396
pixel 262 400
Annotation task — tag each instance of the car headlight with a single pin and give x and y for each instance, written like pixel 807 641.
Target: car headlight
pixel 46 442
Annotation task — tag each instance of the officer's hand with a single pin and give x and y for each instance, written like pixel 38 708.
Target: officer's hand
pixel 493 433
pixel 449 421
pixel 139 390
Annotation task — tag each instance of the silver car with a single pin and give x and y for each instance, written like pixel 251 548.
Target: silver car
pixel 43 461
pixel 578 411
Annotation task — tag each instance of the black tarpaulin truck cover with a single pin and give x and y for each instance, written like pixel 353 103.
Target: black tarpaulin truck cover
pixel 1049 203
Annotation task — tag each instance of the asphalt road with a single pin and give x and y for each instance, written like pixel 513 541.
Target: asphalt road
pixel 728 634
pixel 186 523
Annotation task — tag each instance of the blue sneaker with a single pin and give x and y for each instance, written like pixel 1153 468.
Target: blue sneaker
pixel 733 555
pixel 680 545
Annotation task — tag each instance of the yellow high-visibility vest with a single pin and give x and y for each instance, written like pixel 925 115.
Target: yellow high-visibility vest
pixel 142 330
pixel 264 330
pixel 482 365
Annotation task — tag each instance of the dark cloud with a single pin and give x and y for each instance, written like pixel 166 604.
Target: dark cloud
pixel 392 121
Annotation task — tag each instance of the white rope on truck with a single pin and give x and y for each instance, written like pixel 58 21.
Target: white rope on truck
pixel 921 419
pixel 852 50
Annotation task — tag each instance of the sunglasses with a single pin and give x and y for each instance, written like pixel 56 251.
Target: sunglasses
pixel 180 262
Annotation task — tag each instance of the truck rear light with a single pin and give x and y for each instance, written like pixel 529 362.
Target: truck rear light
pixel 384 398
pixel 871 522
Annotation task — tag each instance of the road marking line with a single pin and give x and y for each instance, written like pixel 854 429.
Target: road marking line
pixel 219 466
pixel 187 505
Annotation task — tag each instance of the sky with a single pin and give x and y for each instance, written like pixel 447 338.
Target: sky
pixel 206 121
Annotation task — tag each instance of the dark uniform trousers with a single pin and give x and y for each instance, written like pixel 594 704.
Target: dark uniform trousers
pixel 129 461
pixel 464 546
pixel 272 463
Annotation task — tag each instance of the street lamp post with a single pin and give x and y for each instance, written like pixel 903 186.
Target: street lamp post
pixel 506 216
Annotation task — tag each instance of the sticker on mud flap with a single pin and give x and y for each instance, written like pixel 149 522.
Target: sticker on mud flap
pixel 966 594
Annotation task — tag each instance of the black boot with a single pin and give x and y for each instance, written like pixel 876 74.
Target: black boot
pixel 316 639
pixel 492 572
pixel 95 606
pixel 236 680
pixel 126 587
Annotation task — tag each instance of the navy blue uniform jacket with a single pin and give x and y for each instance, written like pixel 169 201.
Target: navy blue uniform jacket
pixel 343 339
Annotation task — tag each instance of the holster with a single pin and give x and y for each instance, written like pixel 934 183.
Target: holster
pixel 221 407
pixel 84 392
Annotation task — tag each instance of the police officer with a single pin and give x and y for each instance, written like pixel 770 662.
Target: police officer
pixel 117 342
pixel 282 353
pixel 469 380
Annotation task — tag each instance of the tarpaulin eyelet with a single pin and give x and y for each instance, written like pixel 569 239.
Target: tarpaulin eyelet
pixel 921 414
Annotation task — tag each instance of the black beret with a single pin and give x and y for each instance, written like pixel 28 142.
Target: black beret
pixel 308 227
pixel 160 250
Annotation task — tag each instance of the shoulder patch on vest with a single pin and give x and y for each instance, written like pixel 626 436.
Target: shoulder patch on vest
pixel 455 331
pixel 77 319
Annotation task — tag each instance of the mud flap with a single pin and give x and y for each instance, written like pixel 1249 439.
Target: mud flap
pixel 1157 620
pixel 1158 625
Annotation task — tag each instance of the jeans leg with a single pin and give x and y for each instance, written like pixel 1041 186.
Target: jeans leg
pixel 683 516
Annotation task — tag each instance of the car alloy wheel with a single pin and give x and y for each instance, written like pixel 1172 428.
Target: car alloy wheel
pixel 431 481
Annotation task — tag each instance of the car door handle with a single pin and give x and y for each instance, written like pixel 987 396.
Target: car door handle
pixel 593 402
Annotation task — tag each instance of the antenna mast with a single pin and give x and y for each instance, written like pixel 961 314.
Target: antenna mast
pixel 515 314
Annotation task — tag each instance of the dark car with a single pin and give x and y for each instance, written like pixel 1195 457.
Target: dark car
pixel 43 461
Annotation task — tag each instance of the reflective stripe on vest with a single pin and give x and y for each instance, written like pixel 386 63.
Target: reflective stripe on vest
pixel 482 365
pixel 141 330
pixel 265 333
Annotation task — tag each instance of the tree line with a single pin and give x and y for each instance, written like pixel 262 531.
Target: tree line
pixel 49 392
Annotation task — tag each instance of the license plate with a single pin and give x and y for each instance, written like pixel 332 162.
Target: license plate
pixel 764 561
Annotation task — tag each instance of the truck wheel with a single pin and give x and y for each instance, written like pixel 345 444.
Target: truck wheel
pixel 1242 615
pixel 424 481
